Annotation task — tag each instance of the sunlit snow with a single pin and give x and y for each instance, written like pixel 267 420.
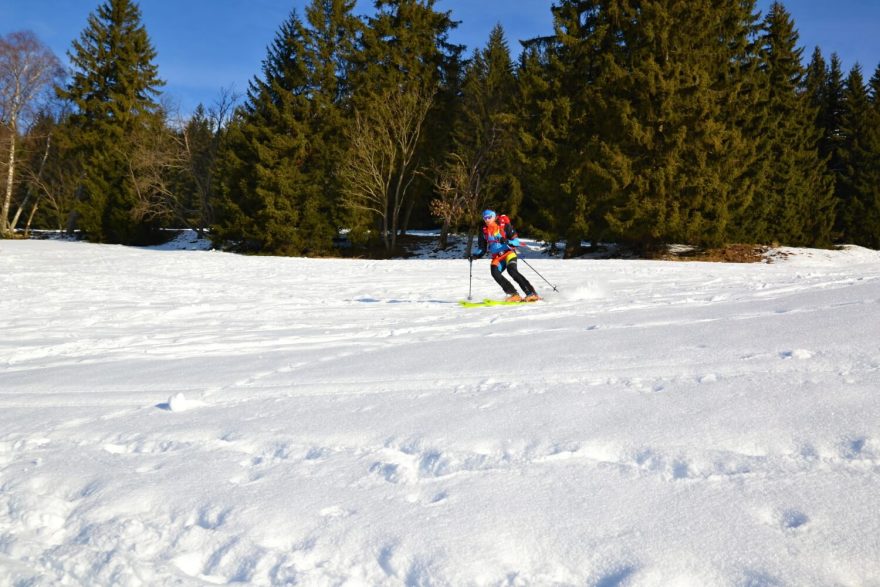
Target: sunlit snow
pixel 191 417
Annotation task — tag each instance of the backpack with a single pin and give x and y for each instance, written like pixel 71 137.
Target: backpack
pixel 503 223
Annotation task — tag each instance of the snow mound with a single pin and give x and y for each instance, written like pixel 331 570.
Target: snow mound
pixel 178 403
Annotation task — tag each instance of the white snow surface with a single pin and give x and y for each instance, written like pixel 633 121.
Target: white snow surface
pixel 191 417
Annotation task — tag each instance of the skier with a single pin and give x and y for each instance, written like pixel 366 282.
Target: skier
pixel 499 238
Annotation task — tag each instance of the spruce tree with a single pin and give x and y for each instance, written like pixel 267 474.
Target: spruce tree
pixel 331 46
pixel 746 111
pixel 114 90
pixel 796 203
pixel 543 129
pixel 859 180
pixel 832 116
pixel 280 191
pixel 874 85
pixel 816 85
pixel 262 206
pixel 556 93
pixel 669 152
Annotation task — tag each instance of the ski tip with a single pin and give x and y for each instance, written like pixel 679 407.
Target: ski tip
pixel 473 304
pixel 491 302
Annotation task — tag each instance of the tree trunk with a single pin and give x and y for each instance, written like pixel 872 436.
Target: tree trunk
pixel 406 216
pixel 444 235
pixel 18 212
pixel 27 227
pixel 5 227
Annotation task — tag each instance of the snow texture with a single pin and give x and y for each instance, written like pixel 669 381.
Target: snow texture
pixel 172 417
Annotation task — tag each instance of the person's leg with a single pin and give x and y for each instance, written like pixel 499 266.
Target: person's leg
pixel 520 278
pixel 505 285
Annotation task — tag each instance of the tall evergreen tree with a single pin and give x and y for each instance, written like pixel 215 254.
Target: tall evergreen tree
pixel 832 116
pixel 556 86
pixel 815 85
pixel 331 50
pixel 114 90
pixel 747 87
pixel 796 203
pixel 874 85
pixel 859 180
pixel 816 89
pixel 281 192
pixel 261 202
pixel 668 151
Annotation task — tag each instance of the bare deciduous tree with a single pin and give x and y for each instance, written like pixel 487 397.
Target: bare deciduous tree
pixel 153 157
pixel 33 180
pixel 27 69
pixel 460 186
pixel 381 166
pixel 52 187
pixel 457 185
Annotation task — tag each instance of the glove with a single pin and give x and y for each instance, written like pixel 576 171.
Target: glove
pixel 478 254
pixel 497 248
pixel 514 242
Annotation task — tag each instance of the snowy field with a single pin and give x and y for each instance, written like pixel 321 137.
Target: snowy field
pixel 173 417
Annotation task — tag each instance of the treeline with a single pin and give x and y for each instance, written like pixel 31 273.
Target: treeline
pixel 641 123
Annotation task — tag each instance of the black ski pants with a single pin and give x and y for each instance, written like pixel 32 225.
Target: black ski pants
pixel 517 276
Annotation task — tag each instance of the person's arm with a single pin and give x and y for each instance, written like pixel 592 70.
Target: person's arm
pixel 481 245
pixel 511 236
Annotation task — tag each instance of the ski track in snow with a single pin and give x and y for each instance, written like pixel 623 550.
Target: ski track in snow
pixel 199 418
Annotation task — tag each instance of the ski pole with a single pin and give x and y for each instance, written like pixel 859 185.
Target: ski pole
pixel 470 275
pixel 539 275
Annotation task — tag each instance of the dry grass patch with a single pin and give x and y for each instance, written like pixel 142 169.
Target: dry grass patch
pixel 736 253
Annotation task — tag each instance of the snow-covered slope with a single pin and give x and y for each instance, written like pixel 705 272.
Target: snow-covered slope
pixel 200 418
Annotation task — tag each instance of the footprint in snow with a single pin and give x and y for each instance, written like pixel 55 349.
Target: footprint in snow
pixel 785 519
pixel 793 519
pixel 855 448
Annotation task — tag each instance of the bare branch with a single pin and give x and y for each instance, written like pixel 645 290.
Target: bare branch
pixel 380 167
pixel 27 69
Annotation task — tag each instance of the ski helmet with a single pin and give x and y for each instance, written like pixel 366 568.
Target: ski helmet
pixel 488 215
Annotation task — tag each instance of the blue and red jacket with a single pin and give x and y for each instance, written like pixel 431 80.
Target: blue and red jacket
pixel 495 238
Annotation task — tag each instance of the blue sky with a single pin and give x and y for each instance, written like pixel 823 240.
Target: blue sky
pixel 206 45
